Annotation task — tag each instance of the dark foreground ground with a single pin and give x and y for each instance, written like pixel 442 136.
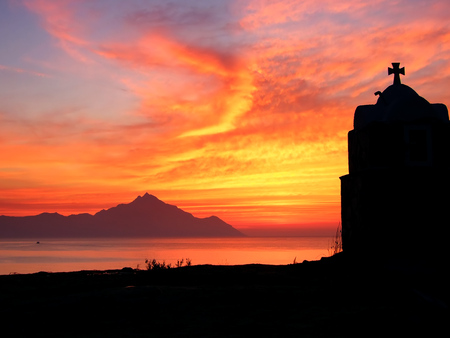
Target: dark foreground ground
pixel 334 297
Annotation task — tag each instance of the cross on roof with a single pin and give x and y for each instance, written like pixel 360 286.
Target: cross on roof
pixel 396 70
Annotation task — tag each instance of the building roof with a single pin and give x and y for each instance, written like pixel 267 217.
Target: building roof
pixel 399 102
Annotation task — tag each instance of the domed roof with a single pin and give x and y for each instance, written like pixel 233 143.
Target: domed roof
pixel 397 91
pixel 399 102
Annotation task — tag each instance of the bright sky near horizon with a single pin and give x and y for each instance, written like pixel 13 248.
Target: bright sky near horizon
pixel 235 108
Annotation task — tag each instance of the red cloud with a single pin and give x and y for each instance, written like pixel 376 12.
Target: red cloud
pixel 250 121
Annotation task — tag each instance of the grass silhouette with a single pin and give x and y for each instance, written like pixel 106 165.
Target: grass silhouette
pixel 336 245
pixel 153 264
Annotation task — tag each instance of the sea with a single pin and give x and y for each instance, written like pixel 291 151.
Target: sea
pixel 23 256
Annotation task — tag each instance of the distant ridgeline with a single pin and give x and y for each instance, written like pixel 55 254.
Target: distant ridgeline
pixel 146 216
pixel 395 199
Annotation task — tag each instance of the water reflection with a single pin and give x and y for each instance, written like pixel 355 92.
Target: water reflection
pixel 25 256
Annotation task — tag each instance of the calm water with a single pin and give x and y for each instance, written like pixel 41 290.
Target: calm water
pixel 54 255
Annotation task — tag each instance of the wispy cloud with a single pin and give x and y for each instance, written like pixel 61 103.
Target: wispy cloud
pixel 239 106
pixel 59 20
pixel 22 71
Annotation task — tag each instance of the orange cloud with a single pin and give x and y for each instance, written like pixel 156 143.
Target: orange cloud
pixel 223 82
pixel 241 111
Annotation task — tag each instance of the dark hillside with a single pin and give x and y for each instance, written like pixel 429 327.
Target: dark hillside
pixel 334 297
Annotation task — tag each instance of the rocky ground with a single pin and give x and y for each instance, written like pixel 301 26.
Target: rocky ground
pixel 334 297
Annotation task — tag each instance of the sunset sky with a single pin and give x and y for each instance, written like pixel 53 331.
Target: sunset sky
pixel 234 108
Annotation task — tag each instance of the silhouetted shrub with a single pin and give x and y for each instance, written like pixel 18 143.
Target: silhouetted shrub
pixel 153 264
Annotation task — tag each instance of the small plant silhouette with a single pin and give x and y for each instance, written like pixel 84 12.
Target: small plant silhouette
pixel 336 245
pixel 153 264
pixel 179 263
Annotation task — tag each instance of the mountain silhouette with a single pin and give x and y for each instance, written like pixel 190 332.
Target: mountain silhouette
pixel 146 216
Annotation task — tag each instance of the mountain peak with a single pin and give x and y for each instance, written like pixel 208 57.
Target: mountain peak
pixel 146 216
pixel 147 197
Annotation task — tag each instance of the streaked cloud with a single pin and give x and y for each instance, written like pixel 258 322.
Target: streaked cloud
pixel 234 108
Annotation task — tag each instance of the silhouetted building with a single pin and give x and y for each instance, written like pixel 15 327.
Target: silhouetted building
pixel 395 199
